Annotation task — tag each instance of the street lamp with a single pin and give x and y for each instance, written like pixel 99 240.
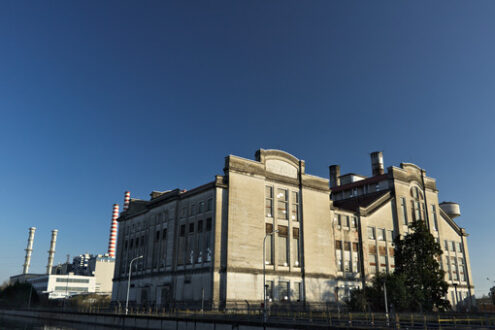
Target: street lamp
pixel 264 266
pixel 129 284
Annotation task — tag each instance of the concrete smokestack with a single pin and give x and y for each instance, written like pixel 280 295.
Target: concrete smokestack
pixel 377 163
pixel 51 252
pixel 127 199
pixel 334 175
pixel 29 250
pixel 113 231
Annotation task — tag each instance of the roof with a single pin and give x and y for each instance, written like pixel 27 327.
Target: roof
pixel 354 203
pixel 373 179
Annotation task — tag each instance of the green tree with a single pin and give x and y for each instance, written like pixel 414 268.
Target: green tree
pixel 417 258
pixel 492 294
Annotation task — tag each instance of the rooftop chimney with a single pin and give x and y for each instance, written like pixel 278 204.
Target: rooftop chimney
pixel 334 175
pixel 113 231
pixel 29 250
pixel 51 252
pixel 127 199
pixel 377 163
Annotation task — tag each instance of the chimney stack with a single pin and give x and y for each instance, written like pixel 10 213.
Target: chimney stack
pixel 377 163
pixel 51 252
pixel 334 175
pixel 29 250
pixel 127 199
pixel 113 231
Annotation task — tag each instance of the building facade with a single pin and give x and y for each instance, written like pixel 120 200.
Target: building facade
pixel 314 239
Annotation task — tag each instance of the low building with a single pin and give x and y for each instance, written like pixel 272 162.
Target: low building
pixel 267 222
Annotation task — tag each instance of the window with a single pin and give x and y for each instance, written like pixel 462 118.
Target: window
pixel 208 240
pixel 269 290
pixel 390 236
pixel 347 222
pixel 383 263
pixel 347 257
pixel 295 206
pixel 295 248
pixel 269 244
pixel 447 262
pixel 453 267
pixel 434 212
pixel 283 290
pixel 282 204
pixel 380 234
pixel 192 209
pixel 209 204
pixel 269 201
pixel 338 252
pixel 355 258
pixel 201 207
pixel 462 269
pixel 354 222
pixel 296 292
pixel 372 261
pixel 452 244
pixel 371 233
pixel 157 235
pixel 404 210
pixel 446 245
pixel 282 246
pixel 337 220
pixel 459 247
pixel 184 212
pixel 190 244
pixel 416 209
pixel 182 245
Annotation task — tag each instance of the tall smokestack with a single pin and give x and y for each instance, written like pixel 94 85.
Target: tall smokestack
pixel 29 250
pixel 334 175
pixel 113 231
pixel 377 163
pixel 127 199
pixel 51 252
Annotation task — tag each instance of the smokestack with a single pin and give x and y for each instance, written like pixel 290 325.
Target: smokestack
pixel 29 250
pixel 334 175
pixel 51 252
pixel 377 163
pixel 113 231
pixel 127 199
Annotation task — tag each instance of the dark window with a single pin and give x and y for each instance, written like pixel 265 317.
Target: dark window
pixel 164 235
pixel 182 230
pixel 158 235
pixel 191 228
pixel 208 224
pixel 142 240
pixel 200 226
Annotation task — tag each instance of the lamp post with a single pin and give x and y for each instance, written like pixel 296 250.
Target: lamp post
pixel 264 269
pixel 129 284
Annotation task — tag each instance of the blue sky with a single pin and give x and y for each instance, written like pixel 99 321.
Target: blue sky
pixel 101 97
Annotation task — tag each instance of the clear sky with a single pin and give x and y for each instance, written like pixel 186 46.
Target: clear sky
pixel 101 97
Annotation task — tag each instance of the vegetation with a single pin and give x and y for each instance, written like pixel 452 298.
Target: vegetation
pixel 492 294
pixel 418 282
pixel 18 295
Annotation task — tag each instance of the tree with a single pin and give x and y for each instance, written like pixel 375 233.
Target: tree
pixel 417 258
pixel 18 294
pixel 492 294
pixel 418 282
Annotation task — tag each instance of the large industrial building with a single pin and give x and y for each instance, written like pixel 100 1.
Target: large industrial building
pixel 86 274
pixel 323 237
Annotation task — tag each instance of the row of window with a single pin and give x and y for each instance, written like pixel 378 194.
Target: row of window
pixel 70 289
pixel 453 246
pixel 195 244
pixel 282 248
pixel 347 260
pixel 282 200
pixel 380 234
pixel 284 291
pixel 418 212
pixel 379 263
pixel 72 280
pixel 345 221
pixel 456 269
pixel 194 209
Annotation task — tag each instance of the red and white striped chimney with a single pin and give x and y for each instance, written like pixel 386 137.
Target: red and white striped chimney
pixel 113 231
pixel 127 199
